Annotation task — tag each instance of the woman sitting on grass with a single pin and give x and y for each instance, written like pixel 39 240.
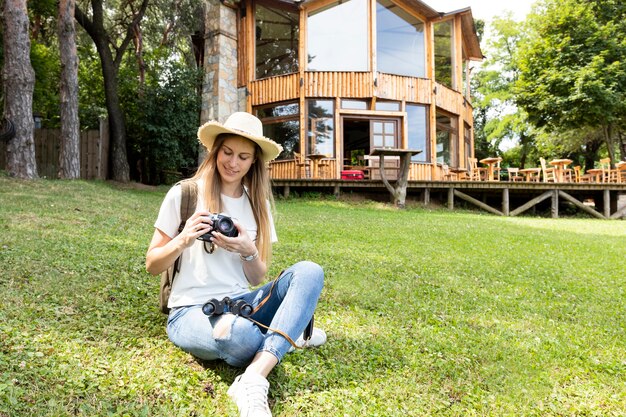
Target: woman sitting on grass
pixel 234 180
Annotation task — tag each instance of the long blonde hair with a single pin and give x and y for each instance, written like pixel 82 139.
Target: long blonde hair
pixel 257 182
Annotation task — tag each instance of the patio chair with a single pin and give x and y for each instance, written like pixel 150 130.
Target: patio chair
pixel 476 173
pixel 579 176
pixel 446 175
pixel 303 166
pixel 514 174
pixel 549 174
pixel 323 167
pixel 608 174
pixel 568 175
pixel 621 171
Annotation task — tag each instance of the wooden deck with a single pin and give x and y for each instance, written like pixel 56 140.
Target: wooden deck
pixel 603 201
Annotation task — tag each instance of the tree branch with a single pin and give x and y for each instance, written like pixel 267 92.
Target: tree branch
pixel 130 32
pixel 84 21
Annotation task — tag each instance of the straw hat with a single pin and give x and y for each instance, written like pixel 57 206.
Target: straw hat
pixel 241 124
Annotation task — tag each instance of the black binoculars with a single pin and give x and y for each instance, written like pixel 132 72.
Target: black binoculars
pixel 215 307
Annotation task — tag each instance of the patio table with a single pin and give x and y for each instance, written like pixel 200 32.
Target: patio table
pixel 398 192
pixel 596 174
pixel 460 173
pixel 530 174
pixel 315 159
pixel 561 167
pixel 491 163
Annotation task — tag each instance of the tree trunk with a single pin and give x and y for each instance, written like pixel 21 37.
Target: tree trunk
pixel 18 84
pixel 523 140
pixel 110 66
pixel 591 153
pixel 69 156
pixel 117 126
pixel 622 144
pixel 610 144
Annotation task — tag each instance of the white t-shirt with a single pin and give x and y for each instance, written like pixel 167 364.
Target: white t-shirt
pixel 203 276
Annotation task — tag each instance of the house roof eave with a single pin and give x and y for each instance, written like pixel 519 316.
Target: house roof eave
pixel 472 44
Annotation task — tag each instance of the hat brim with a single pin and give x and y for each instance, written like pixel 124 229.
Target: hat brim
pixel 208 132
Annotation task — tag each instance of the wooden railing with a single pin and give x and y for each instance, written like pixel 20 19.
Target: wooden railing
pixel 287 169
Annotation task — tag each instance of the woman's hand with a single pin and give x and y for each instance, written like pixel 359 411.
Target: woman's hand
pixel 241 244
pixel 197 225
pixel 255 269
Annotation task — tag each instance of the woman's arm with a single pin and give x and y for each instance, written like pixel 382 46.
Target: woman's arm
pixel 164 250
pixel 255 269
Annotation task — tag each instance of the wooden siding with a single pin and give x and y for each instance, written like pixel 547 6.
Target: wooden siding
pixel 395 87
pixel 338 84
pixel 448 99
pixel 345 85
pixel 274 89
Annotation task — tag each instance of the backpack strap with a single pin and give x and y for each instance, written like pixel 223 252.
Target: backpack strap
pixel 188 200
pixel 189 197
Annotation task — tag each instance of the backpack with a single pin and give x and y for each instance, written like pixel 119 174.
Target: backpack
pixel 187 207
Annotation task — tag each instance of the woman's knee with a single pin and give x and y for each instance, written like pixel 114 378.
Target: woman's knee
pixel 311 273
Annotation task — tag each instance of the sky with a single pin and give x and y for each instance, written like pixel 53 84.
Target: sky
pixel 484 9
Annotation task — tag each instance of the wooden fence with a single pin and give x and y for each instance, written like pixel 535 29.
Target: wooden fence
pixel 94 150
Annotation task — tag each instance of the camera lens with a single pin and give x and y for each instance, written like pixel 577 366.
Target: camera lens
pixel 225 225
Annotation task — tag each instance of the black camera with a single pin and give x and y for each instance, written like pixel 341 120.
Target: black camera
pixel 215 307
pixel 222 224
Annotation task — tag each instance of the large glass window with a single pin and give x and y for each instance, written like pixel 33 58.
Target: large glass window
pixel 467 135
pixel 282 124
pixel 447 136
pixel 337 37
pixel 443 53
pixel 321 127
pixel 400 45
pixel 418 131
pixel 277 34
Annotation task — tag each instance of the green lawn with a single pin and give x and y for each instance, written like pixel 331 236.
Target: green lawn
pixel 428 313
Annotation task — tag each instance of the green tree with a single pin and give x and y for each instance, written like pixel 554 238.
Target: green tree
pixel 497 115
pixel 573 68
pixel 163 121
pixel 111 49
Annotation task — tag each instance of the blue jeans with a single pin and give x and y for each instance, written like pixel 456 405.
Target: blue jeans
pixel 289 309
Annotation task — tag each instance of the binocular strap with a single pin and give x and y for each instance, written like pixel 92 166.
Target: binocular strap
pixel 308 331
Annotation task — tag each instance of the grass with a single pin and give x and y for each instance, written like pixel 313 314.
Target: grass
pixel 429 313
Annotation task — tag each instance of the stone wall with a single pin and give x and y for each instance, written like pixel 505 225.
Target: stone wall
pixel 220 96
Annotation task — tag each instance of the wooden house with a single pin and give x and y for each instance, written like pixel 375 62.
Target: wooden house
pixel 332 80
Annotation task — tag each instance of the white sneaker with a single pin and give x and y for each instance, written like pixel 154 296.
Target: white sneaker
pixel 318 338
pixel 249 391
